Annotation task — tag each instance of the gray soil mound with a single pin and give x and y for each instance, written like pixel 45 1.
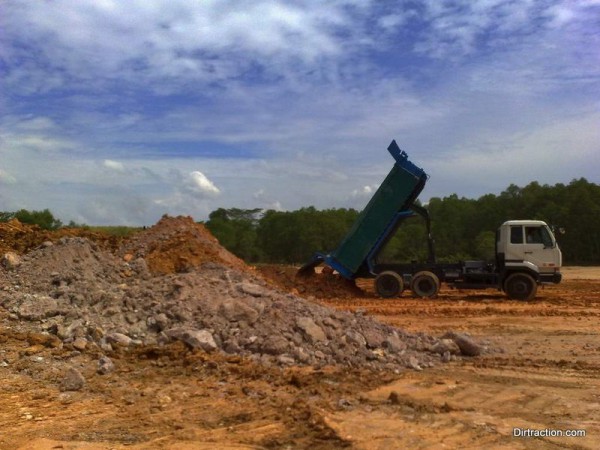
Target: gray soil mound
pixel 78 292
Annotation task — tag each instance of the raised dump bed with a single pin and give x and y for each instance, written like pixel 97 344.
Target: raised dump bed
pixel 375 223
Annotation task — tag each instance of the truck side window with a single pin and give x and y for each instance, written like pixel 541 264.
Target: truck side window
pixel 534 235
pixel 516 235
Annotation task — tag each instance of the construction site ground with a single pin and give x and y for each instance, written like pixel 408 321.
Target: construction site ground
pixel 543 379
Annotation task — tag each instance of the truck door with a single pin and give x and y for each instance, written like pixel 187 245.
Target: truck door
pixel 534 243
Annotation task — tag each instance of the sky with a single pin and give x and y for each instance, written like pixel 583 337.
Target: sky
pixel 117 112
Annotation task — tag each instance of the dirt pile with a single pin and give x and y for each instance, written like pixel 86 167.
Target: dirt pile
pixel 323 284
pixel 178 244
pixel 89 298
pixel 21 238
pixel 18 237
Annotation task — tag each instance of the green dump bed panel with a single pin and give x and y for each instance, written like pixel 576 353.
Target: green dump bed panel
pixel 397 192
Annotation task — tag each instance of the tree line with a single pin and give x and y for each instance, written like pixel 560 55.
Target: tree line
pixel 462 228
pixel 44 219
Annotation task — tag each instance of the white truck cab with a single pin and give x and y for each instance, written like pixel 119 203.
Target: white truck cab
pixel 527 255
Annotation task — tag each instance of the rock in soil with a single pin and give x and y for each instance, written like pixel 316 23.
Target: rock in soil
pixel 72 381
pixel 467 346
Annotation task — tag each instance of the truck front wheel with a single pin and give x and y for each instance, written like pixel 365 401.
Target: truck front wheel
pixel 389 284
pixel 520 286
pixel 425 284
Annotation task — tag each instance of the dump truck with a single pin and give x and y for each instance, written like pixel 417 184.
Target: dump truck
pixel 526 252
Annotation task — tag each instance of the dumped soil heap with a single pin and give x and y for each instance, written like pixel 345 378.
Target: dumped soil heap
pixel 174 282
pixel 178 244
pixel 323 284
pixel 21 238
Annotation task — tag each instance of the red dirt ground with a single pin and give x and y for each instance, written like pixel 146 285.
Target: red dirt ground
pixel 547 377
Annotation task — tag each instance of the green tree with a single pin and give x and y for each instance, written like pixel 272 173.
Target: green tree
pixel 485 245
pixel 581 241
pixel 236 230
pixel 45 219
pixel 293 236
pixel 5 216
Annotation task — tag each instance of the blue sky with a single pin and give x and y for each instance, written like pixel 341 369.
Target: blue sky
pixel 116 112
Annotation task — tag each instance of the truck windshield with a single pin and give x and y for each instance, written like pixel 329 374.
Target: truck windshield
pixel 547 237
pixel 539 235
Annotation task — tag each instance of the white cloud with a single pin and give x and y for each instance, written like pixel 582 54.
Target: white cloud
pixel 365 191
pixel 561 15
pixel 6 178
pixel 455 29
pixel 37 134
pixel 551 153
pixel 175 43
pixel 197 183
pixel 201 41
pixel 32 124
pixel 186 194
pixel 264 201
pixel 114 165
pixel 392 21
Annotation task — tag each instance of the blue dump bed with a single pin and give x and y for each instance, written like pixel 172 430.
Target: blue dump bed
pixel 377 221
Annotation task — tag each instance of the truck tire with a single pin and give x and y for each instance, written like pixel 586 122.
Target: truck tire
pixel 389 284
pixel 425 284
pixel 520 286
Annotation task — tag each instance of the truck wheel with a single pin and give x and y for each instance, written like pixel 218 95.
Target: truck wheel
pixel 425 284
pixel 520 286
pixel 389 284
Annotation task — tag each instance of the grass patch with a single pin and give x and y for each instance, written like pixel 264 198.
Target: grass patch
pixel 117 230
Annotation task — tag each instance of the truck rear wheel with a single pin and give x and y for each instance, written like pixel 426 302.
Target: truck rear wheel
pixel 389 284
pixel 425 284
pixel 520 286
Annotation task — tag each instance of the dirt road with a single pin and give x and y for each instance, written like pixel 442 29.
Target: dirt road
pixel 546 379
pixel 543 377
